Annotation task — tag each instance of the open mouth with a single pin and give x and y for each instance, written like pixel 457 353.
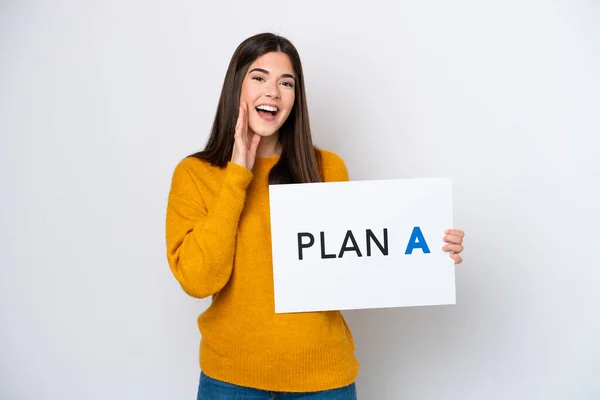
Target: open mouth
pixel 268 113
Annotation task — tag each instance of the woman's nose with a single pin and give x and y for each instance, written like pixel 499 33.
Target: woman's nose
pixel 272 91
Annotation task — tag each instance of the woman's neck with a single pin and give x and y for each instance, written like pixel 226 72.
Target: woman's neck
pixel 269 146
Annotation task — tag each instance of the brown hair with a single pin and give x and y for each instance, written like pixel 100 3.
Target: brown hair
pixel 300 160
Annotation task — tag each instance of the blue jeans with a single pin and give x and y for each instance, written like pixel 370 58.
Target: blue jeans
pixel 212 389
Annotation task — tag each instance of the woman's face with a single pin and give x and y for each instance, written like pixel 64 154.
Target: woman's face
pixel 268 91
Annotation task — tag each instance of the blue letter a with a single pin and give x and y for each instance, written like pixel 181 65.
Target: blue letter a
pixel 417 241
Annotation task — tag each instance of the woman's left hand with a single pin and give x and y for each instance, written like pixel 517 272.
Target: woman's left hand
pixel 454 238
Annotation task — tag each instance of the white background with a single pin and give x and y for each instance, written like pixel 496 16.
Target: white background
pixel 100 100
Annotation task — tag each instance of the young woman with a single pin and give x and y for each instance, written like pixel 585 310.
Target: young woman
pixel 219 243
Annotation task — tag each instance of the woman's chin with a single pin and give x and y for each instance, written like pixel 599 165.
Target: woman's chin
pixel 265 133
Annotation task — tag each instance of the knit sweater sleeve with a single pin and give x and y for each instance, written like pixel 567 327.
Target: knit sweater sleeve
pixel 201 238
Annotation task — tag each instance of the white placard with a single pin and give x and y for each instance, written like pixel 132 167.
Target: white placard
pixel 361 244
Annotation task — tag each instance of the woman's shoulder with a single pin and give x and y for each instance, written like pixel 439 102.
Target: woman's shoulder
pixel 196 166
pixel 196 172
pixel 330 157
pixel 192 162
pixel 334 167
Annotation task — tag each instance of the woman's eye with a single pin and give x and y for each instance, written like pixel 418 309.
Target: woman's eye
pixel 288 84
pixel 258 78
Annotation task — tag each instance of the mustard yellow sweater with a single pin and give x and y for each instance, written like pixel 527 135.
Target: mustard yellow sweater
pixel 219 244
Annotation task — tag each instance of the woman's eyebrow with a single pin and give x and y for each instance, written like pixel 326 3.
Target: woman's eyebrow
pixel 264 71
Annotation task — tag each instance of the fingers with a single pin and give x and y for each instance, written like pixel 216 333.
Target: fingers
pixel 455 248
pixel 244 125
pixel 238 155
pixel 238 124
pixel 254 144
pixel 455 232
pixel 457 259
pixel 453 239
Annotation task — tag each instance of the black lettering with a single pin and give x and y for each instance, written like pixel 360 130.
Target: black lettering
pixel 384 248
pixel 323 255
pixel 304 245
pixel 345 247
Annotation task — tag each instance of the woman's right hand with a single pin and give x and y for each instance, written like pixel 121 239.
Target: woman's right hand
pixel 244 149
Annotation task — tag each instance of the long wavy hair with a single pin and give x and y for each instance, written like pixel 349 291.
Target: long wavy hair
pixel 300 160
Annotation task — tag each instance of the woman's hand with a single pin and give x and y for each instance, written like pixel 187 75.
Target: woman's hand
pixel 454 238
pixel 244 150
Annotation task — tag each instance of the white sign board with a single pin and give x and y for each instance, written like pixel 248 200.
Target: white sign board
pixel 361 244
